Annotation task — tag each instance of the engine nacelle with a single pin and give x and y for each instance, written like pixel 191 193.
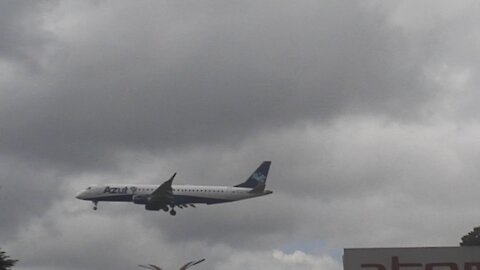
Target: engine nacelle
pixel 141 199
pixel 152 207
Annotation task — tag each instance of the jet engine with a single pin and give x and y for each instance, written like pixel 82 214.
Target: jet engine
pixel 152 207
pixel 141 199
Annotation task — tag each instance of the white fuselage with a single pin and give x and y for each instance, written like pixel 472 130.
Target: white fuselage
pixel 166 196
pixel 183 194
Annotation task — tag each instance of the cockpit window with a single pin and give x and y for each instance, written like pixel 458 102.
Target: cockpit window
pixel 89 188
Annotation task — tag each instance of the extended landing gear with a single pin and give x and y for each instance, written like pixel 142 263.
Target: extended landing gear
pixel 172 210
pixel 95 206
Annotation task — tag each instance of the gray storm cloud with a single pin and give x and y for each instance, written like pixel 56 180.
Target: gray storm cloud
pixel 217 79
pixel 367 110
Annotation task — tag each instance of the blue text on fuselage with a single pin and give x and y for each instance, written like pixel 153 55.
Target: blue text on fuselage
pixel 115 190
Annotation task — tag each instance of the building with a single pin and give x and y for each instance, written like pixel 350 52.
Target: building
pixel 417 258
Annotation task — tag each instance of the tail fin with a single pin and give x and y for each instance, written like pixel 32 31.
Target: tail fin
pixel 258 177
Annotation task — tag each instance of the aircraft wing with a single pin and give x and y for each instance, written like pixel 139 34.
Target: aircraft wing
pixel 164 193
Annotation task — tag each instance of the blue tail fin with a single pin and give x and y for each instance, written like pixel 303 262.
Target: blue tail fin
pixel 259 176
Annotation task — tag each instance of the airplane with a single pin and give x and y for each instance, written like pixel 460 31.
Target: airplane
pixel 188 265
pixel 167 196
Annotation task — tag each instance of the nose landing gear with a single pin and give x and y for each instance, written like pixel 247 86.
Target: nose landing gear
pixel 95 205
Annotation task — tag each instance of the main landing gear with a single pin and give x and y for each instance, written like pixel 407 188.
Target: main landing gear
pixel 172 211
pixel 95 205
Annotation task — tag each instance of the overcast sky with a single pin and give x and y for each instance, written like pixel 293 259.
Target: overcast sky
pixel 368 110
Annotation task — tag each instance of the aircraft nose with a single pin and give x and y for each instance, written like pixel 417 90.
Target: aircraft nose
pixel 80 196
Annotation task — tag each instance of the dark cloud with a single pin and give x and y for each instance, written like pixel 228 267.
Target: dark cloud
pixel 367 110
pixel 24 41
pixel 26 191
pixel 216 80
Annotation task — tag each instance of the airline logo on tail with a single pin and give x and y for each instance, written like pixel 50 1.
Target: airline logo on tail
pixel 260 177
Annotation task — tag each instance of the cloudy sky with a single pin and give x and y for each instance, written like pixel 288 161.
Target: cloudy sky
pixel 367 109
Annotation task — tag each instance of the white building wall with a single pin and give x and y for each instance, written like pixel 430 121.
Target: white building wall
pixel 421 258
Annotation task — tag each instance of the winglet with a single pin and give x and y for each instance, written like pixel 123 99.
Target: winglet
pixel 173 176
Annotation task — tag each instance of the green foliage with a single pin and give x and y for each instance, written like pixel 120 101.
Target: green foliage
pixel 5 262
pixel 472 238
